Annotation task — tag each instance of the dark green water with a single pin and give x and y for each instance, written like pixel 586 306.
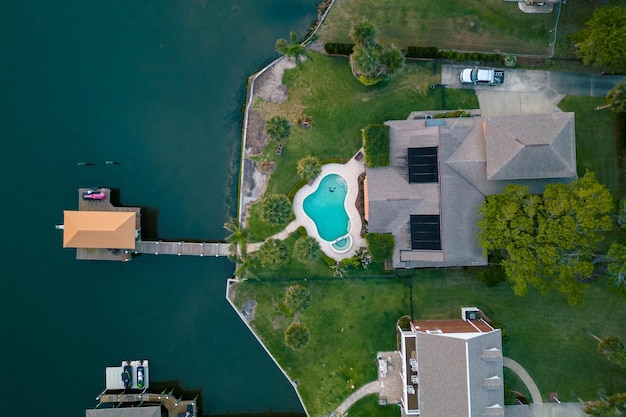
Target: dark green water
pixel 158 86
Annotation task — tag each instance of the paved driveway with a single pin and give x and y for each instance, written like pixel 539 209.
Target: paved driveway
pixel 531 92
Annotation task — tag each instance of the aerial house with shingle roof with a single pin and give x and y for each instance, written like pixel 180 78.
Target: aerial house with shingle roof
pixel 452 367
pixel 439 174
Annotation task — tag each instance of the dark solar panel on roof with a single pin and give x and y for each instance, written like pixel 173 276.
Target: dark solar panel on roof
pixel 425 232
pixel 423 165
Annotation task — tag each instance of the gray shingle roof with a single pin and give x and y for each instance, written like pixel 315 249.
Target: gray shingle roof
pixel 464 148
pixel 532 146
pixel 454 378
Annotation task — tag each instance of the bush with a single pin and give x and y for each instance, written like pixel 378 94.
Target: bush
pixel 404 323
pixel 376 143
pixel 297 335
pixel 276 209
pixel 453 114
pixel 491 275
pixel 380 245
pixel 297 298
pixel 431 52
pixel 339 48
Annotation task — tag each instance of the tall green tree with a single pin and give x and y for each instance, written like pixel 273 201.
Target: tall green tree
pixel 306 249
pixel 614 349
pixel 272 253
pixel 617 264
pixel 616 98
pixel 291 48
pixel 611 406
pixel 276 209
pixel 238 237
pixel 547 241
pixel 309 168
pixel 603 39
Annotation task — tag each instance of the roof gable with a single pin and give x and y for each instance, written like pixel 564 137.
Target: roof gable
pixel 532 146
pixel 99 229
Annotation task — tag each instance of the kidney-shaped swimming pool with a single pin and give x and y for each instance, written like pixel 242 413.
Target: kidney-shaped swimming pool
pixel 326 208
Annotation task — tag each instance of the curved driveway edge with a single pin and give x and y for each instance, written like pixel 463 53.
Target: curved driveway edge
pixel 525 377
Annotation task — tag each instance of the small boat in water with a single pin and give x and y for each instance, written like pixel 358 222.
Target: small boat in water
pixel 141 374
pixel 127 376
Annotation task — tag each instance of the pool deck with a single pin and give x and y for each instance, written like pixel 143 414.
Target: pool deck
pixel 351 171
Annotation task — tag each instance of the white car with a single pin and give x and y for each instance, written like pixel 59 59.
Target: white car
pixel 481 76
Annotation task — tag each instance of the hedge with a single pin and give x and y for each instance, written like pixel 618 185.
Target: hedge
pixel 426 52
pixel 380 245
pixel 339 48
pixel 376 144
pixel 422 52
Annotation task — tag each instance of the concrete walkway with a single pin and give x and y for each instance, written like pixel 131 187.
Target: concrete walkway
pixel 525 377
pixel 350 171
pixel 367 389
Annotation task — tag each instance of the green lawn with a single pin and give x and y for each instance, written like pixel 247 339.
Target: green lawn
pixel 468 25
pixel 368 406
pixel 596 141
pixel 340 106
pixel 349 321
pixel 544 334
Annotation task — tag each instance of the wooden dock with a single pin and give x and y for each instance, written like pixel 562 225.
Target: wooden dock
pixel 104 205
pixel 175 406
pixel 208 249
pixel 214 249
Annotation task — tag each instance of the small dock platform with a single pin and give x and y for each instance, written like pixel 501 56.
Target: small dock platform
pixel 99 207
pixel 104 205
pixel 175 406
pixel 183 248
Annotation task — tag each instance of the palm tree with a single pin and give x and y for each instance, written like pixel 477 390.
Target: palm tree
pixel 309 168
pixel 306 249
pixel 276 209
pixel 278 128
pixel 238 237
pixel 363 33
pixel 297 335
pixel 297 298
pixel 272 253
pixel 291 49
pixel 366 61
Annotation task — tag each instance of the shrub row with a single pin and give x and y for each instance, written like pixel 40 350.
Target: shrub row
pixel 381 245
pixel 429 52
pixel 339 48
pixel 376 144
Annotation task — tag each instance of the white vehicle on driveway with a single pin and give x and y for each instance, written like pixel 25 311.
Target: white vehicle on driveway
pixel 481 76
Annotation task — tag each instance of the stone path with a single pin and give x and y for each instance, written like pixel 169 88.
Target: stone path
pixel 367 389
pixel 525 377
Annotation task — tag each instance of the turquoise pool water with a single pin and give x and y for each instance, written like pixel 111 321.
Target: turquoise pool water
pixel 325 207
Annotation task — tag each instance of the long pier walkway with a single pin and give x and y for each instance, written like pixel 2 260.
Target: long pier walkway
pixel 175 406
pixel 183 248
